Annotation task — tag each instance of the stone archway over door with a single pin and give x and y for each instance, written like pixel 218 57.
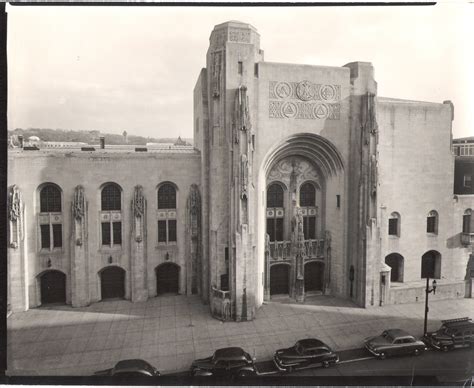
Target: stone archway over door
pixel 167 279
pixel 53 287
pixel 112 282
pixel 279 279
pixel 313 276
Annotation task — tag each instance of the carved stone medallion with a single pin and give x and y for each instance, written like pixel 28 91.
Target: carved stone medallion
pixel 305 90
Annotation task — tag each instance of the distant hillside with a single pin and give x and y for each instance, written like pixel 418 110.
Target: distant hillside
pixel 89 137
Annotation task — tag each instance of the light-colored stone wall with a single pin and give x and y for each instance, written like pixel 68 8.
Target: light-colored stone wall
pixel 30 169
pixel 416 173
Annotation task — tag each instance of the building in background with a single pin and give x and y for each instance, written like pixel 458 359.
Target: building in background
pixel 302 181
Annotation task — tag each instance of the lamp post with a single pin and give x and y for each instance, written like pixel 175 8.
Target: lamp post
pixel 428 291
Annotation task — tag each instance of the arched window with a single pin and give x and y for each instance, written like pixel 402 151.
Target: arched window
pixel 308 201
pixel 275 195
pixel 431 265
pixel 166 197
pixel 467 226
pixel 111 215
pixel 111 197
pixel 395 261
pixel 307 195
pixel 432 222
pixel 167 216
pixel 50 218
pixel 50 199
pixel 394 224
pixel 275 212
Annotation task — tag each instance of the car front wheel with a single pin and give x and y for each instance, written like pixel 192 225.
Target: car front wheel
pixel 325 364
pixel 382 356
pixel 416 352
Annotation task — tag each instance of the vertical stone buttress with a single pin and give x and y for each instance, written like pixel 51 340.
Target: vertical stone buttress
pixel 79 251
pixel 194 241
pixel 138 265
pixel 17 261
pixel 362 192
pixel 231 59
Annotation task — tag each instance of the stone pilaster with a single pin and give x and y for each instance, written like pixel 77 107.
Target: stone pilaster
pixel 17 260
pixel 138 265
pixel 79 251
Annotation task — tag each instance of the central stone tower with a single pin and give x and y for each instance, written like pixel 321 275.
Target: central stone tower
pixel 226 101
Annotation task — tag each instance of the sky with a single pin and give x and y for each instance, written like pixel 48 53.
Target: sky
pixel 134 68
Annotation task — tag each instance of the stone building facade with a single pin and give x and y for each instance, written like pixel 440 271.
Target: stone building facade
pixel 301 181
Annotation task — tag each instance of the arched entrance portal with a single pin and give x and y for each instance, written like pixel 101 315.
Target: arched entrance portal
pixel 167 278
pixel 112 283
pixel 279 279
pixel 53 287
pixel 313 276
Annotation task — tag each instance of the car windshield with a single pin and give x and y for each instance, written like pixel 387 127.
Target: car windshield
pixel 299 348
pixel 387 336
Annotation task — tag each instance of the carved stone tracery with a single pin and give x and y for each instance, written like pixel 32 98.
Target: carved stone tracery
pixel 15 216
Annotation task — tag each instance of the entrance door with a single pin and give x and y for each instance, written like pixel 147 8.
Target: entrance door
pixel 167 278
pixel 112 283
pixel 53 287
pixel 313 276
pixel 279 279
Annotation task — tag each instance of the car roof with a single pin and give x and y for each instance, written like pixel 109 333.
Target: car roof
pixel 309 343
pixel 395 333
pixel 132 364
pixel 229 353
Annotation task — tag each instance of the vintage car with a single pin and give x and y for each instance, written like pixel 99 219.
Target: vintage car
pixel 394 342
pixel 225 362
pixel 130 368
pixel 305 353
pixel 453 333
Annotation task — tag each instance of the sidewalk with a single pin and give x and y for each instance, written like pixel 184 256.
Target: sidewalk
pixel 170 332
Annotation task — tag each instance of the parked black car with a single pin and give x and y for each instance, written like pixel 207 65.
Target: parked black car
pixel 453 333
pixel 305 353
pixel 226 362
pixel 394 342
pixel 130 368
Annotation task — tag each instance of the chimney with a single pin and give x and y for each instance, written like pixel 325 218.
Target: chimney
pixel 20 139
pixel 102 142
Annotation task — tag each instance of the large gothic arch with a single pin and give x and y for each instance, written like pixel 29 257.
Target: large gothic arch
pixel 304 158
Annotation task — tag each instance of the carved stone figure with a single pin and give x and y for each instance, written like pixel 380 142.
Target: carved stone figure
pixel 15 203
pixel 244 171
pixel 267 243
pixel 138 201
pixel 373 175
pixel 78 203
pixel 243 113
pixel 194 206
pixel 216 74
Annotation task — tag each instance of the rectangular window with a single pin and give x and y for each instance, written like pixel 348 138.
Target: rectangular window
pixel 241 68
pixel 106 233
pixel 338 201
pixel 279 229
pixel 57 236
pixel 431 225
pixel 466 223
pixel 309 228
pixel 468 181
pixel 256 70
pixel 45 237
pixel 393 226
pixel 171 230
pixel 271 228
pixel 117 232
pixel 161 231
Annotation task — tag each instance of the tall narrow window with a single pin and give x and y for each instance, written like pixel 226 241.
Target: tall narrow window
pixel 111 215
pixel 241 68
pixel 466 222
pixel 308 205
pixel 467 181
pixel 50 218
pixel 432 222
pixel 167 214
pixel 394 225
pixel 275 212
